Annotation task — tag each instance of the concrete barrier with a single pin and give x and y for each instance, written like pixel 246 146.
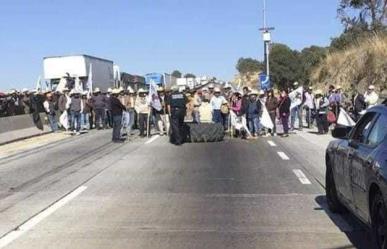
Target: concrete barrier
pixel 20 127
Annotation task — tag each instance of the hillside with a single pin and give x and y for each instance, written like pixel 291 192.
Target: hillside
pixel 363 64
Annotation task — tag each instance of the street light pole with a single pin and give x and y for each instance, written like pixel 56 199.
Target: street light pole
pixel 266 39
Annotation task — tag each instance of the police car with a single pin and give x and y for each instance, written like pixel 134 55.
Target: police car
pixel 356 171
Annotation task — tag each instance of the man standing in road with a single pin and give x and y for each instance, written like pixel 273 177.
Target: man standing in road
pixel 177 109
pixel 216 103
pixel 116 110
pixel 371 97
pixel 99 104
pixel 49 107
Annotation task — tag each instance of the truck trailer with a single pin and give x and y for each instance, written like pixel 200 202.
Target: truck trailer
pixel 65 70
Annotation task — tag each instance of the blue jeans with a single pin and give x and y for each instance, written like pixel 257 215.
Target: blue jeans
pixel 85 120
pixel 217 117
pixel 125 121
pixel 254 126
pixel 296 112
pixel 117 119
pixel 53 122
pixel 75 121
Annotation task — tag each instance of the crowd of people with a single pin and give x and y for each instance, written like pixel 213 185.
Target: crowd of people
pixel 258 112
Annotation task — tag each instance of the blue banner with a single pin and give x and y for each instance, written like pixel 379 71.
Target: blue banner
pixel 154 77
pixel 265 82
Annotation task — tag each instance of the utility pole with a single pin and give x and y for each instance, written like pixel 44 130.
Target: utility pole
pixel 266 35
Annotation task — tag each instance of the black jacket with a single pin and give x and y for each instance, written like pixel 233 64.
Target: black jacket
pixel 284 106
pixel 116 106
pixel 359 103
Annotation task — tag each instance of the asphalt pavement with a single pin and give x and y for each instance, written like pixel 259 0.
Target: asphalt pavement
pixel 87 192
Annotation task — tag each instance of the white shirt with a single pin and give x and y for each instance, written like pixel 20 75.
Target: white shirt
pixel 371 99
pixel 309 100
pixel 216 102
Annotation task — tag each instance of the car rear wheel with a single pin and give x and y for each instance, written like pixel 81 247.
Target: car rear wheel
pixel 333 201
pixel 379 221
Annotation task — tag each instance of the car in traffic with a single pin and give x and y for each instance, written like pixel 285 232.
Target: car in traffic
pixel 356 171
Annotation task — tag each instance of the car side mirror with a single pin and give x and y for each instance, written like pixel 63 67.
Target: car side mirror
pixel 341 132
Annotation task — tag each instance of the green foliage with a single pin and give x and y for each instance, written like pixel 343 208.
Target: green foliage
pixel 311 58
pixel 285 65
pixel 177 74
pixel 249 65
pixel 189 75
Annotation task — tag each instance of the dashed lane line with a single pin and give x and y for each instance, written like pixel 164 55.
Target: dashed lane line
pixel 271 143
pixel 29 224
pixel 302 177
pixel 283 155
pixel 152 139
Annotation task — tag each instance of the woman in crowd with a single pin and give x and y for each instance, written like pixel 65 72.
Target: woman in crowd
pixel 271 106
pixel 284 111
pixel 236 103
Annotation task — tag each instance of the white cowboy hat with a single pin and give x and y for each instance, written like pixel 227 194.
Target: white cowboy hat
pixel 97 90
pixel 261 92
pixel 318 92
pixel 160 89
pixel 254 92
pixel 217 90
pixel 142 90
pixel 116 91
pixel 109 90
pixel 130 90
pixel 25 90
pixel 371 87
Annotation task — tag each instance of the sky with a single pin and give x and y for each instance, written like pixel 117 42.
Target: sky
pixel 204 37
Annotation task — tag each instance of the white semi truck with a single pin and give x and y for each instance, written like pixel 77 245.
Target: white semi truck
pixel 60 70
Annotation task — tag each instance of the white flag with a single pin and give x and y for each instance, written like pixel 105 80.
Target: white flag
pixel 64 120
pixel 265 119
pixel 154 96
pixel 344 119
pixel 90 80
pixel 296 97
pixel 38 87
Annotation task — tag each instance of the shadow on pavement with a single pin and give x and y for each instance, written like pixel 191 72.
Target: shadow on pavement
pixel 353 228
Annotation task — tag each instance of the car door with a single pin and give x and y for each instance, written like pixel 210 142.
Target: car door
pixel 341 169
pixel 358 153
pixel 363 161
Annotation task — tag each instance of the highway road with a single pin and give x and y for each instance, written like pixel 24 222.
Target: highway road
pixel 86 192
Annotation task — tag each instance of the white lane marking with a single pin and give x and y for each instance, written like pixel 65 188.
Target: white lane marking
pixel 302 177
pixel 29 224
pixel 283 155
pixel 272 144
pixel 152 139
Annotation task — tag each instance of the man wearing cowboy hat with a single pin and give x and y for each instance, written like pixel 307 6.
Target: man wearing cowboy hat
pixel 216 103
pixel 371 97
pixel 49 107
pixel 162 116
pixel 142 109
pixel 130 107
pixel 98 102
pixel 125 101
pixel 253 113
pixel 321 105
pixel 117 109
pixel 76 108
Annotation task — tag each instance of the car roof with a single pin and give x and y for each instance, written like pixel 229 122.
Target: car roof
pixel 379 108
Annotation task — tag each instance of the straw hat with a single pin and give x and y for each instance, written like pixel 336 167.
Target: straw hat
pixel 254 92
pixel 130 90
pixel 142 90
pixel 217 90
pixel 116 91
pixel 109 90
pixel 96 90
pixel 318 92
pixel 371 87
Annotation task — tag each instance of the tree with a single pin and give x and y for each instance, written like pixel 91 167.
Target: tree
pixel 177 74
pixel 189 75
pixel 249 65
pixel 310 58
pixel 285 65
pixel 350 37
pixel 371 14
